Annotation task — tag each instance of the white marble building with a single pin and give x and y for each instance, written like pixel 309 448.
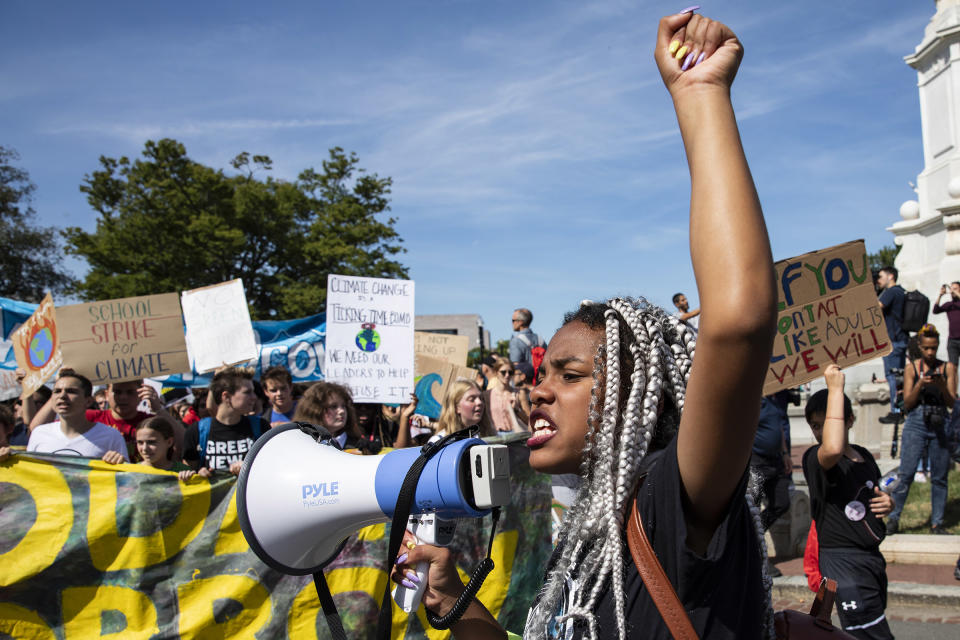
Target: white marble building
pixel 929 232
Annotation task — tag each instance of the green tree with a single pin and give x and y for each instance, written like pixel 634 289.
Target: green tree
pixel 168 223
pixel 502 349
pixel 883 257
pixel 344 234
pixel 30 255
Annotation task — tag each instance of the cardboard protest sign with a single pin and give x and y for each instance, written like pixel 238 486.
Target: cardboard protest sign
pixel 827 312
pixel 370 337
pixel 218 325
pixel 37 347
pixel 444 346
pixel 433 378
pixel 124 339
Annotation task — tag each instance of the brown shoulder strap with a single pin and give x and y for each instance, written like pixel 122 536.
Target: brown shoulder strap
pixel 823 604
pixel 658 585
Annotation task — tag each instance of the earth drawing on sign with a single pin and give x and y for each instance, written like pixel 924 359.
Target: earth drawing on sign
pixel 41 348
pixel 368 339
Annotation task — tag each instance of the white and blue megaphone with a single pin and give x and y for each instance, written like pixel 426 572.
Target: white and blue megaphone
pixel 299 496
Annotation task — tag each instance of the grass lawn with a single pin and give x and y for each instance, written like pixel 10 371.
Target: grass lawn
pixel 916 513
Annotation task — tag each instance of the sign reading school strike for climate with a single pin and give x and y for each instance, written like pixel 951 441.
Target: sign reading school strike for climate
pixel 124 339
pixel 827 313
pixel 370 337
pixel 37 347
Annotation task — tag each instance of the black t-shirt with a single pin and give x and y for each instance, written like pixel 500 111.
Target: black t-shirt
pixel 840 500
pixel 226 444
pixel 722 591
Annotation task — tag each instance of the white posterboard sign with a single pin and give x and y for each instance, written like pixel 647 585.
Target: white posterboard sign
pixel 370 337
pixel 218 326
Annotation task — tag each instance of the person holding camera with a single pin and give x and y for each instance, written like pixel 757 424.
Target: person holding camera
pixel 928 395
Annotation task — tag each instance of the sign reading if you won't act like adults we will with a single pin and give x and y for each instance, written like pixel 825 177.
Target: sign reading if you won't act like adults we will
pixel 370 337
pixel 124 339
pixel 827 313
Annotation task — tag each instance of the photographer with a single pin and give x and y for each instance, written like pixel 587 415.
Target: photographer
pixel 928 395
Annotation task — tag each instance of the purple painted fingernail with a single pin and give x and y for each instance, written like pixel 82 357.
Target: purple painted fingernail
pixel 686 63
pixel 689 9
pixel 412 577
pixel 402 559
pixel 408 584
pixel 700 59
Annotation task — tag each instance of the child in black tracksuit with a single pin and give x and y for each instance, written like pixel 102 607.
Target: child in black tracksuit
pixel 847 506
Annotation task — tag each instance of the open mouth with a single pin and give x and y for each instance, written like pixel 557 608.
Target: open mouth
pixel 543 429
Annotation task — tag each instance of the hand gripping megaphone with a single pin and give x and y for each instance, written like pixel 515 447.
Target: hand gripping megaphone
pixel 299 496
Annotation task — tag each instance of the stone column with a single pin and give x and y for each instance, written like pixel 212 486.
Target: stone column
pixel 929 232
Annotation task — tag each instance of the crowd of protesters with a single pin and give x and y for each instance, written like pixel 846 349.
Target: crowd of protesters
pixel 207 430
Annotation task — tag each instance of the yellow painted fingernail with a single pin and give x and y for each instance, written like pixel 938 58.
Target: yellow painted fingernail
pixel 674 46
pixel 682 52
pixel 411 545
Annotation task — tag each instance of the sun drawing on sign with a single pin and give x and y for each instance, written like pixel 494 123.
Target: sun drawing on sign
pixel 368 339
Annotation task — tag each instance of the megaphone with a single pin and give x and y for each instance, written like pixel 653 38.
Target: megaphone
pixel 299 496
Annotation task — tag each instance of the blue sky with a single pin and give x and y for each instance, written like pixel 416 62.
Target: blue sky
pixel 535 156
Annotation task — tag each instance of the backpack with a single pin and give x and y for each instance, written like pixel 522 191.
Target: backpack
pixel 536 352
pixel 916 307
pixel 203 429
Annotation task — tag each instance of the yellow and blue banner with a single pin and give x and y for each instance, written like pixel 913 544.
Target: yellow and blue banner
pixel 91 550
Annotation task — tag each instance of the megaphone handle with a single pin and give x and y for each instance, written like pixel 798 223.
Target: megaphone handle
pixel 409 599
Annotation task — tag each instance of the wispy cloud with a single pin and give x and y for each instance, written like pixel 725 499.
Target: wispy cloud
pixel 141 132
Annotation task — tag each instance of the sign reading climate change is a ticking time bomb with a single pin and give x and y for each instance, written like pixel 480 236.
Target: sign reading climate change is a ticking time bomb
pixel 124 339
pixel 370 337
pixel 827 313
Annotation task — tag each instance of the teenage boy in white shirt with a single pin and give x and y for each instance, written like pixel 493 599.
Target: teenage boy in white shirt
pixel 74 434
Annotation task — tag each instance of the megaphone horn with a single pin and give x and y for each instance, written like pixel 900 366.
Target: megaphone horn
pixel 299 496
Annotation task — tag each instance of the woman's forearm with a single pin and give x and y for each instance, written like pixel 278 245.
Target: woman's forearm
pixel 729 246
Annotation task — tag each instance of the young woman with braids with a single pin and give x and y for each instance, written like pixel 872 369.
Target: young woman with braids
pixel 621 395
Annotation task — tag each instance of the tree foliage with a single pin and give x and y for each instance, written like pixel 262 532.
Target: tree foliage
pixel 30 255
pixel 168 223
pixel 883 257
pixel 502 349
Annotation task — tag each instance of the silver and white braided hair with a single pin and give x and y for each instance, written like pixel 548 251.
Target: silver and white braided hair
pixel 620 432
